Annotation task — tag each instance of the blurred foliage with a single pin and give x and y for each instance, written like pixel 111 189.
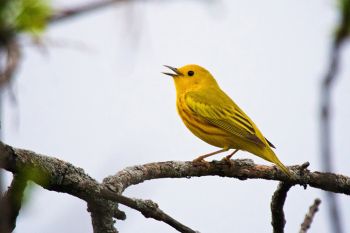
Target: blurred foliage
pixel 343 30
pixel 30 175
pixel 29 16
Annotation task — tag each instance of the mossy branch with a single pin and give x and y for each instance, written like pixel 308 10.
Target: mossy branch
pixel 57 175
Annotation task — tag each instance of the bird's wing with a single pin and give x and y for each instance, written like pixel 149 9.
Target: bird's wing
pixel 270 143
pixel 219 110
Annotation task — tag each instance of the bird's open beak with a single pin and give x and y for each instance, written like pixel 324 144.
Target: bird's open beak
pixel 176 71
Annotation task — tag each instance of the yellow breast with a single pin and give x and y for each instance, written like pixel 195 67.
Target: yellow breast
pixel 202 128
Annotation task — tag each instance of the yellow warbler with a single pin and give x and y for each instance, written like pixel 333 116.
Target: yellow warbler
pixel 212 116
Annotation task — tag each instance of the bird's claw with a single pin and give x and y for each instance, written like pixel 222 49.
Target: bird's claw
pixel 200 162
pixel 226 159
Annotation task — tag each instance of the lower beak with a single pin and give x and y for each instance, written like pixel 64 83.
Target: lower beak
pixel 176 71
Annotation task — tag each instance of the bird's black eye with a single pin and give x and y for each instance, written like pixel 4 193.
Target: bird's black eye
pixel 190 73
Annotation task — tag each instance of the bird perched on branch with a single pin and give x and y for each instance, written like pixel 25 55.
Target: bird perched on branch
pixel 215 118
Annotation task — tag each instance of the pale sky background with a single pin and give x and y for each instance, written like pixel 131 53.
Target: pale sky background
pixel 96 98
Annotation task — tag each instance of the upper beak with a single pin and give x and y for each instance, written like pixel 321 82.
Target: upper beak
pixel 176 71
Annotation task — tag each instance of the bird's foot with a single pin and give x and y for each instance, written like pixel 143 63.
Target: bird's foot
pixel 200 162
pixel 226 159
pixel 200 159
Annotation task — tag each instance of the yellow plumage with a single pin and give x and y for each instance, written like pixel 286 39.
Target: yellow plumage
pixel 212 116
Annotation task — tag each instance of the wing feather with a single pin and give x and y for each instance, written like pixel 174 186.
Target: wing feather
pixel 223 114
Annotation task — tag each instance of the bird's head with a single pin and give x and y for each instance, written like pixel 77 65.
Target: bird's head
pixel 191 77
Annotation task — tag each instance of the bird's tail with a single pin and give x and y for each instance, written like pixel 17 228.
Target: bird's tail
pixel 274 159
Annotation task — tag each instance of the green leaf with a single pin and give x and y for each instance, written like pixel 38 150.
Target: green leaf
pixel 25 15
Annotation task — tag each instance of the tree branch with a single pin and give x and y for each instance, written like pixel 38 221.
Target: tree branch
pixel 341 35
pixel 148 208
pixel 240 168
pixel 57 175
pixel 12 54
pixel 326 133
pixel 277 202
pixel 310 216
pixel 61 15
pixel 11 203
pixel 81 9
pixel 102 217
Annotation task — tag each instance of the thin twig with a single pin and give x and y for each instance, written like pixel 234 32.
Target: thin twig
pixel 11 203
pixel 277 203
pixel 326 135
pixel 81 9
pixel 12 55
pixel 310 216
pixel 325 109
pixel 61 15
pixel 148 208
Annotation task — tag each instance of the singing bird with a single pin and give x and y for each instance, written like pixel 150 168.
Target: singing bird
pixel 214 117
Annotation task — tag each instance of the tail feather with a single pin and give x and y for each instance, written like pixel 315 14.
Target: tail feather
pixel 282 167
pixel 273 158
